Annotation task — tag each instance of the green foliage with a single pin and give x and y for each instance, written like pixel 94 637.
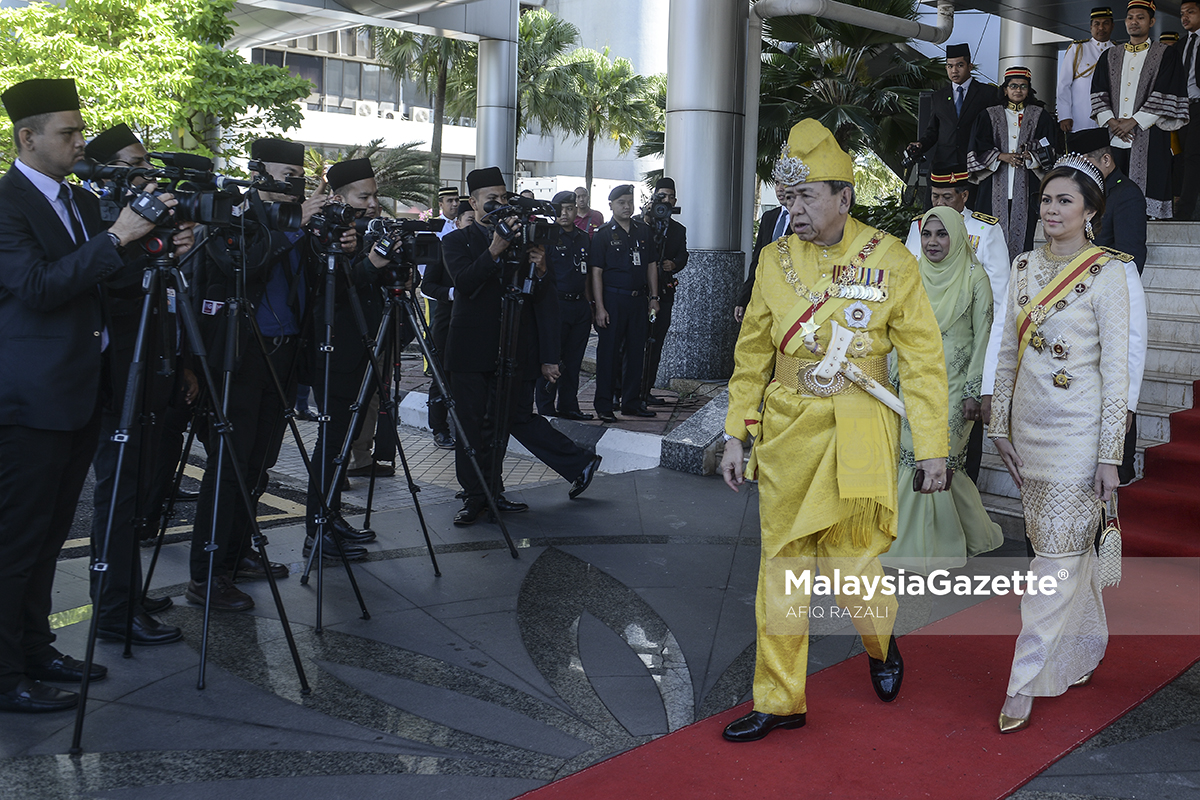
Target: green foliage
pixel 889 215
pixel 157 65
pixel 619 104
pixel 403 173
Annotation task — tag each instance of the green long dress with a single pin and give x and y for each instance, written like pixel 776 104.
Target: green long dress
pixel 941 530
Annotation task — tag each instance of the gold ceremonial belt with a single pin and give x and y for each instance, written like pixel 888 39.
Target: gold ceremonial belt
pixel 796 374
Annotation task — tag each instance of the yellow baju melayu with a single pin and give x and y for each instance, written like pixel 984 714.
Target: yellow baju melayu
pixel 826 466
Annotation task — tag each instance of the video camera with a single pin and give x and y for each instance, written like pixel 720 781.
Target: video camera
pixel 535 218
pixel 659 210
pixel 334 219
pixel 407 243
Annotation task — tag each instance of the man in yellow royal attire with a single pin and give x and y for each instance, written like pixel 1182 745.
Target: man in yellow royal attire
pixel 810 384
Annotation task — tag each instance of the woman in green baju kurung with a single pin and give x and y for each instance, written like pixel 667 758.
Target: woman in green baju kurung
pixel 940 531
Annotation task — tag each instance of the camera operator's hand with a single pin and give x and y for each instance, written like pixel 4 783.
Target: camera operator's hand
pixel 499 243
pixel 379 262
pixel 668 265
pixel 311 206
pixel 131 226
pixel 550 372
pixel 191 386
pixel 537 257
pixel 349 240
pixel 184 239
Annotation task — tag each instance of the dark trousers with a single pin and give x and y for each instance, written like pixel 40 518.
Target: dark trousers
pixel 1189 192
pixel 343 392
pixel 658 332
pixel 1121 158
pixel 439 329
pixel 1126 471
pixel 475 393
pixel 256 415
pixel 41 476
pixel 627 326
pixel 576 317
pixel 974 452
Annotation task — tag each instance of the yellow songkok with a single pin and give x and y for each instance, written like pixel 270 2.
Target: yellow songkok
pixel 812 154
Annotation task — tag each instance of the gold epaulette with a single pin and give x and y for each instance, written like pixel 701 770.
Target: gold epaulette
pixel 917 218
pixel 1117 254
pixel 988 218
pixel 1080 41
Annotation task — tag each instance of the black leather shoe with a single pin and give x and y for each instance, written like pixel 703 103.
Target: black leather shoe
pixel 756 725
pixel 606 416
pixel 157 605
pixel 329 548
pixel 348 533
pixel 658 401
pixel 575 415
pixel 186 495
pixel 251 567
pixel 470 512
pixel 63 669
pixel 510 506
pixel 443 440
pixel 640 411
pixel 35 697
pixel 887 675
pixel 147 632
pixel 305 414
pixel 585 478
pixel 225 596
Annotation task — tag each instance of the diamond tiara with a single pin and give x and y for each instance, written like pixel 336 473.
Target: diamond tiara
pixel 789 171
pixel 1076 161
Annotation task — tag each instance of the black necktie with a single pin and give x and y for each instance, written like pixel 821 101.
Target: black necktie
pixel 64 195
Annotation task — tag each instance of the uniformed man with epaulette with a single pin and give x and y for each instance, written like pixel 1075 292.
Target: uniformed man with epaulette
pixel 567 251
pixel 1075 74
pixel 948 186
pixel 1122 232
pixel 625 289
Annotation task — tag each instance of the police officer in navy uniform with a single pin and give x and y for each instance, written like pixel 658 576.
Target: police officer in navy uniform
pixel 625 289
pixel 54 254
pixel 567 253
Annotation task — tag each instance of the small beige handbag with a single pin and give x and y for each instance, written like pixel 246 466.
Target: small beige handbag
pixel 1109 547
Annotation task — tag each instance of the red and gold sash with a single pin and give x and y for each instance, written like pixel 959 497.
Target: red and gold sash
pixel 814 307
pixel 1054 296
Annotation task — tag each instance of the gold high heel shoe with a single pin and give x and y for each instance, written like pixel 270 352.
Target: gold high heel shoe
pixel 1013 724
pixel 1084 681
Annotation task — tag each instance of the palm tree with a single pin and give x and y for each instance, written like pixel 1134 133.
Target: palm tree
pixel 428 60
pixel 619 103
pixel 546 77
pixel 654 140
pixel 403 173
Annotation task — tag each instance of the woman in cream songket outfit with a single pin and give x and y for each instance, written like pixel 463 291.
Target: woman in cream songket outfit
pixel 940 531
pixel 1058 422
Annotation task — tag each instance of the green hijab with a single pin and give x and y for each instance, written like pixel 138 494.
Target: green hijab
pixel 948 283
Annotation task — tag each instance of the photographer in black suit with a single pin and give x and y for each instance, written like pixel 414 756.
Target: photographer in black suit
pixel 54 255
pixel 947 137
pixel 474 257
pixel 674 259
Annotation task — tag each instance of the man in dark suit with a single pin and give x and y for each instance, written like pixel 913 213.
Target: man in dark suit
pixel 947 137
pixel 771 226
pixel 674 259
pixel 474 258
pixel 54 253
pixel 436 285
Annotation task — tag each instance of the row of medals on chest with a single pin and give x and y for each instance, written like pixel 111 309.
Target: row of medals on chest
pixel 858 315
pixel 1060 348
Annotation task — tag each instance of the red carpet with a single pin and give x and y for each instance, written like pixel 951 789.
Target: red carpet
pixel 1160 514
pixel 937 740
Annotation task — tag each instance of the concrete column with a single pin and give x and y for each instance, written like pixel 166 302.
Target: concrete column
pixel 496 106
pixel 706 61
pixel 1017 49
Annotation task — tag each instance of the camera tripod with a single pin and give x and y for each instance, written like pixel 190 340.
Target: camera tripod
pixel 164 267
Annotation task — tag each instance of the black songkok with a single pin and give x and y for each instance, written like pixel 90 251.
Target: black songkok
pixel 959 51
pixel 345 173
pixel 1088 141
pixel 278 151
pixel 464 206
pixel 665 183
pixel 107 144
pixel 40 96
pixel 483 178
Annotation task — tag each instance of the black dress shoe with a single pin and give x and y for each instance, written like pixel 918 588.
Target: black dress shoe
pixel 658 401
pixel 507 506
pixel 469 513
pixel 34 697
pixel 250 566
pixel 887 675
pixel 349 533
pixel 186 495
pixel 575 415
pixel 305 414
pixel 225 596
pixel 147 632
pixel 640 411
pixel 756 725
pixel 157 605
pixel 63 669
pixel 329 548
pixel 443 439
pixel 606 416
pixel 585 478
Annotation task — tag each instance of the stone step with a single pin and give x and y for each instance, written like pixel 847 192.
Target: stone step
pixel 1176 358
pixel 1165 233
pixel 1007 513
pixel 1177 302
pixel 1169 266
pixel 1167 389
pixel 1154 421
pixel 1178 328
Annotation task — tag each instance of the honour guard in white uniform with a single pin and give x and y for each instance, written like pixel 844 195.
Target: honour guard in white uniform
pixel 1075 74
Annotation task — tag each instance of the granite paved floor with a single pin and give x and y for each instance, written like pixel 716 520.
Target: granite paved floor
pixel 627 615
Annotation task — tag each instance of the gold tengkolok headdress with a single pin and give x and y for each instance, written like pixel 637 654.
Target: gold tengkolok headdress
pixel 810 155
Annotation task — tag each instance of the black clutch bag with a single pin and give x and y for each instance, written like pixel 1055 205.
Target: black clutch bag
pixel 919 479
